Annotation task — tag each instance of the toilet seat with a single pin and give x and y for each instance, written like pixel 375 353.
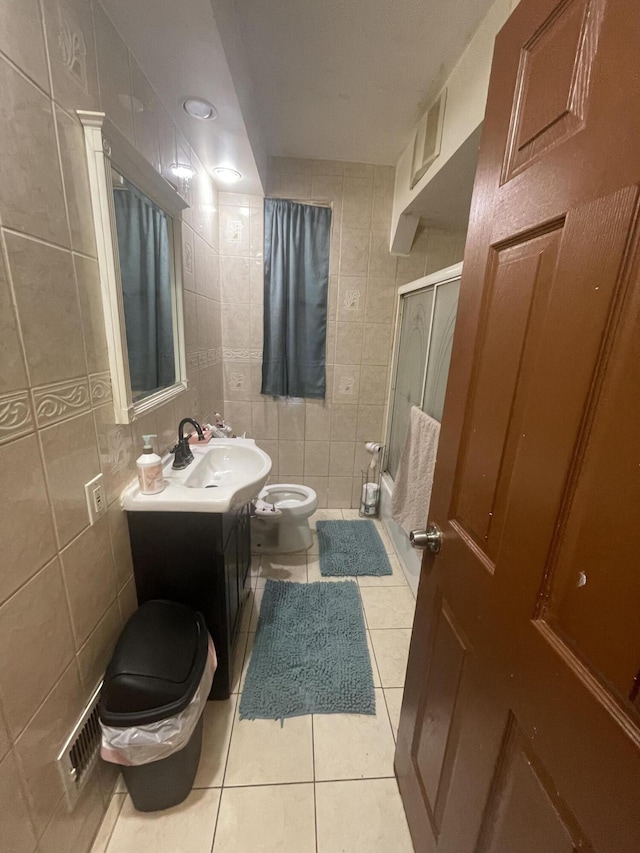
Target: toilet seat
pixel 292 498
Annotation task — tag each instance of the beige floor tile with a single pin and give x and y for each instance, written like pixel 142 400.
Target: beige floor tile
pixel 361 817
pixel 314 550
pixel 247 611
pixel 269 819
pixel 374 665
pixel 263 752
pixel 238 660
pixel 218 722
pixel 255 613
pixel 351 515
pixel 103 837
pixel 395 579
pixel 388 607
pixel 393 698
pixel 186 828
pixel 391 648
pixel 325 515
pixel 254 569
pixel 353 746
pixel 247 659
pixel 285 567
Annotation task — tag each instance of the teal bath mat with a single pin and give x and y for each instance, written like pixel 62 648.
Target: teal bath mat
pixel 351 548
pixel 310 654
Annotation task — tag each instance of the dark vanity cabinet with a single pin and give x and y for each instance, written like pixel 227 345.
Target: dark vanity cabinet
pixel 199 559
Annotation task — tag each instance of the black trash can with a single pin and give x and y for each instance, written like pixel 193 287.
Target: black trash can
pixel 155 670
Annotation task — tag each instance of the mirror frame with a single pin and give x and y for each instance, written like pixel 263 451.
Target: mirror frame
pixel 106 146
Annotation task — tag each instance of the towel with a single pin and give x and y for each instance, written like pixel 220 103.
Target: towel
pixel 412 487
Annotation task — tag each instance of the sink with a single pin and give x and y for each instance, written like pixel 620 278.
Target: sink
pixel 225 474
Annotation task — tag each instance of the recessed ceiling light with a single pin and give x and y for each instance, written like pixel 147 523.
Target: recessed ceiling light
pixel 181 170
pixel 199 108
pixel 228 176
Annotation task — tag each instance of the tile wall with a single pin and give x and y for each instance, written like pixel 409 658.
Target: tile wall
pixel 66 587
pixel 321 443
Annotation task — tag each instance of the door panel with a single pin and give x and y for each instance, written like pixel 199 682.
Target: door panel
pixel 584 585
pixel 524 812
pixel 552 87
pixel 520 726
pixel 438 713
pixel 518 274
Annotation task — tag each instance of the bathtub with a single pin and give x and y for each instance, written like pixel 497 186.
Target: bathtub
pixel 410 559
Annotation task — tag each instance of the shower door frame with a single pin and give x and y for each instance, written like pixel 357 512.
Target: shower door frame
pixel 435 280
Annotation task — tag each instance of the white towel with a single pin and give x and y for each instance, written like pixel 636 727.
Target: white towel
pixel 412 487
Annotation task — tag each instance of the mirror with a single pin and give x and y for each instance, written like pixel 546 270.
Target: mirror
pixel 143 232
pixel 137 217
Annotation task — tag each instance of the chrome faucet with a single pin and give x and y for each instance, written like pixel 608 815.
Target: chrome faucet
pixel 182 451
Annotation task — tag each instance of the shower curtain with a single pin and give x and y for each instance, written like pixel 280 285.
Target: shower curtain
pixel 143 248
pixel 296 279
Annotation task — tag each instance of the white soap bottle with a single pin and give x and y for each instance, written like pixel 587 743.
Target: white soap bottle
pixel 150 469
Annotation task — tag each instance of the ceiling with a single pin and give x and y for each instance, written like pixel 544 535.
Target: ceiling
pixel 179 47
pixel 348 79
pixel 324 79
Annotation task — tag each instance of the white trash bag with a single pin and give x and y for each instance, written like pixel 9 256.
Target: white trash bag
pixel 143 744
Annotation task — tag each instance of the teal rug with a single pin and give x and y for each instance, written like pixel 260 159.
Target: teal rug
pixel 351 548
pixel 310 654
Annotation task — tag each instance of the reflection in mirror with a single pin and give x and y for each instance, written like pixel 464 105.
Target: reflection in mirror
pixel 144 249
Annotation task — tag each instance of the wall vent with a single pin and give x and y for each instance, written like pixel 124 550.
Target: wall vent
pixel 79 755
pixel 426 146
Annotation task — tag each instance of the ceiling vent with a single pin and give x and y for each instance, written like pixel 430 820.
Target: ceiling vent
pixel 426 146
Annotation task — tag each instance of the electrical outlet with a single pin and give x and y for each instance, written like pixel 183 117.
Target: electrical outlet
pixel 96 499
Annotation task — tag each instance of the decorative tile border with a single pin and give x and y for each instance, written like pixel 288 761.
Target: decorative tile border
pixel 237 354
pixel 100 388
pixel 61 400
pixel 204 358
pixel 15 416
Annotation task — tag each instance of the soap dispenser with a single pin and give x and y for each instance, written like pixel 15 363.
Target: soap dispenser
pixel 150 469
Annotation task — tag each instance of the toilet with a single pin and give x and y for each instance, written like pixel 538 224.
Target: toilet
pixel 280 523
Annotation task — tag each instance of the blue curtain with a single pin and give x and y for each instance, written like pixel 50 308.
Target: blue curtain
pixel 296 281
pixel 143 248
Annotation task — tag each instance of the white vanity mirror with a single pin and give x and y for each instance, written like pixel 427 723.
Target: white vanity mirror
pixel 137 216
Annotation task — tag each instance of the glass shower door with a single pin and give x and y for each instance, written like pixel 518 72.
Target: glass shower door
pixel 444 321
pixel 427 323
pixel 412 352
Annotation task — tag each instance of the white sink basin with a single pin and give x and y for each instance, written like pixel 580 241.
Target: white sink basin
pixel 225 474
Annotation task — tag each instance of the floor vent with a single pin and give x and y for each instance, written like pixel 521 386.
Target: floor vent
pixel 79 755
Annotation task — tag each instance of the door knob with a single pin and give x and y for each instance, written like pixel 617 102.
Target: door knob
pixel 430 538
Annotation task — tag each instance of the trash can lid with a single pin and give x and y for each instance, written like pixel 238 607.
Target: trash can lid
pixel 156 666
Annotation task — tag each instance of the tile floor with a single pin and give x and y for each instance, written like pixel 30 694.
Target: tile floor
pixel 318 784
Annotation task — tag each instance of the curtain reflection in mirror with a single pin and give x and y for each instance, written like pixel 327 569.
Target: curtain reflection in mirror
pixel 145 270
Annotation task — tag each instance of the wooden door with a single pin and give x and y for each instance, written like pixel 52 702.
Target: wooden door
pixel 520 727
